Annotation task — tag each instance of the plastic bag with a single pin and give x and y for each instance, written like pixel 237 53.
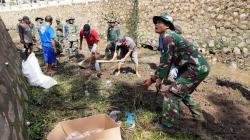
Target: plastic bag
pixel 33 72
pixel 174 72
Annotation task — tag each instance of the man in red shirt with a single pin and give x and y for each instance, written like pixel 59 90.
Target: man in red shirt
pixel 92 38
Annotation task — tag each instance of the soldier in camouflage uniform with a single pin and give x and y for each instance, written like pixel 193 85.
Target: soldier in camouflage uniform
pixel 33 31
pixel 192 66
pixel 113 33
pixel 72 38
pixel 59 36
pixel 59 31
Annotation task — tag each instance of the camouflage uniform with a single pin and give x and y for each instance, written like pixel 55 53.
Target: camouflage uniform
pixel 112 34
pixel 72 39
pixel 193 69
pixel 59 31
pixel 33 30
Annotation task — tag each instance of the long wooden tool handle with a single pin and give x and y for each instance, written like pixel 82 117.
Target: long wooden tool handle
pixel 107 61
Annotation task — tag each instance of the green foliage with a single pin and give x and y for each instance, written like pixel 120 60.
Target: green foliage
pixel 67 100
pixel 133 21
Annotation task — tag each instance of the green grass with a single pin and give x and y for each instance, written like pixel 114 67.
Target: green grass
pixel 67 100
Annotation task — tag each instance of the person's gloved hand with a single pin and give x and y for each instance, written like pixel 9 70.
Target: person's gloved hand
pixel 158 85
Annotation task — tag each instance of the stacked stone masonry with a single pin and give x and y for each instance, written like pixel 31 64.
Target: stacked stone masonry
pixel 12 90
pixel 209 23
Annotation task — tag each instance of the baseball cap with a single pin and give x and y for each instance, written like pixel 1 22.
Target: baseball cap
pixel 26 18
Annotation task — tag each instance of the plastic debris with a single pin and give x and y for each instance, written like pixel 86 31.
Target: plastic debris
pixel 108 83
pixel 31 69
pixel 130 119
pixel 113 114
pixel 86 93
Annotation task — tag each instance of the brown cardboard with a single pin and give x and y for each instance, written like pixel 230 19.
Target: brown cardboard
pixel 111 129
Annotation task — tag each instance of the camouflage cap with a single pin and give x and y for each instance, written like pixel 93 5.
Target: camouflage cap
pixel 165 18
pixel 58 19
pixel 111 20
pixel 71 18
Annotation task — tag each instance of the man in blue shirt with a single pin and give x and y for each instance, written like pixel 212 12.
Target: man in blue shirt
pixel 47 37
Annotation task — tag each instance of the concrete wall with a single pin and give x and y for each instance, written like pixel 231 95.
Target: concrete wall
pixel 12 90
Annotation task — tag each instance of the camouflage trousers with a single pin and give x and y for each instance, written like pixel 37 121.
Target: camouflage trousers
pixel 71 48
pixel 60 40
pixel 181 90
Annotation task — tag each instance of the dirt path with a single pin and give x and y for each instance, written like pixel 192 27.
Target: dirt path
pixel 224 97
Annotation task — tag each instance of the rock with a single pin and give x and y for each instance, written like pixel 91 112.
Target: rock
pixel 204 45
pixel 242 44
pixel 233 65
pixel 248 41
pixel 28 123
pixel 108 83
pixel 219 17
pixel 245 52
pixel 202 50
pixel 213 31
pixel 243 16
pixel 243 26
pixel 86 93
pixel 236 51
pixel 211 44
pixel 226 50
pixel 235 14
pixel 214 60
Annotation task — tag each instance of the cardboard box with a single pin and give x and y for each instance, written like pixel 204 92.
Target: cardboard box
pixel 111 131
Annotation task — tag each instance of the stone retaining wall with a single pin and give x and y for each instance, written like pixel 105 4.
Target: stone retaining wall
pixel 209 23
pixel 12 90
